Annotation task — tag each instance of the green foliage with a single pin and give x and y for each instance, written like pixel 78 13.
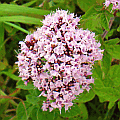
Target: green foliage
pixel 22 19
pixel 9 9
pixel 113 50
pixel 29 3
pixel 114 75
pixel 14 77
pixel 108 93
pixel 17 27
pixel 85 96
pixel 118 29
pixel 90 17
pixel 110 33
pixel 41 115
pixel 76 110
pixel 112 41
pixel 32 99
pixel 2 48
pixel 118 14
pixel 105 64
pixel 97 75
pixel 85 5
pixel 20 84
pixel 119 104
pixel 105 18
pixel 110 105
pixel 21 112
pixel 104 21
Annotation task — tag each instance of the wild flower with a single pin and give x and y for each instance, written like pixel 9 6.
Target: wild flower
pixel 58 58
pixel 116 4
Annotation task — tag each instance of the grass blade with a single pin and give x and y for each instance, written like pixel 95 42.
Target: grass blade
pixel 9 9
pixel 2 51
pixel 22 19
pixel 14 77
pixel 29 3
pixel 17 27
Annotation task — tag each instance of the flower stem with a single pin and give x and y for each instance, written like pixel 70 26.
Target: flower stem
pixel 110 24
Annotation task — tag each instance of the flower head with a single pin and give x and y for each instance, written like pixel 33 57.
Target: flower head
pixel 116 4
pixel 58 58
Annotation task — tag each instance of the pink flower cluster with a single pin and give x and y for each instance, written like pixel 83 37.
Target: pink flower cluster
pixel 116 4
pixel 58 58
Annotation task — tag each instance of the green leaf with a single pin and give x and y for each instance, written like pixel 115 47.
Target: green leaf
pixel 29 110
pixel 114 74
pixel 60 118
pixel 32 99
pixel 21 112
pixel 110 105
pixel 98 31
pixel 23 86
pixel 117 20
pixel 22 19
pixel 113 50
pixel 41 115
pixel 91 23
pixel 9 9
pixel 43 59
pixel 110 33
pixel 57 1
pixel 97 75
pixel 110 113
pixel 51 3
pixel 68 5
pixel 85 5
pixel 119 104
pixel 106 63
pixel 4 107
pixel 34 113
pixel 29 3
pixel 2 48
pixel 28 87
pixel 46 115
pixel 2 45
pixel 99 38
pixel 104 21
pixel 90 12
pixel 108 93
pixel 85 97
pixel 112 41
pixel 88 20
pixel 2 66
pixel 3 100
pixel 118 29
pixel 110 7
pixel 3 94
pixel 75 110
pixel 93 106
pixel 17 27
pixel 118 14
pixel 83 111
pixel 35 92
pixel 14 77
pixel 8 28
pixel 20 82
pixel 102 99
